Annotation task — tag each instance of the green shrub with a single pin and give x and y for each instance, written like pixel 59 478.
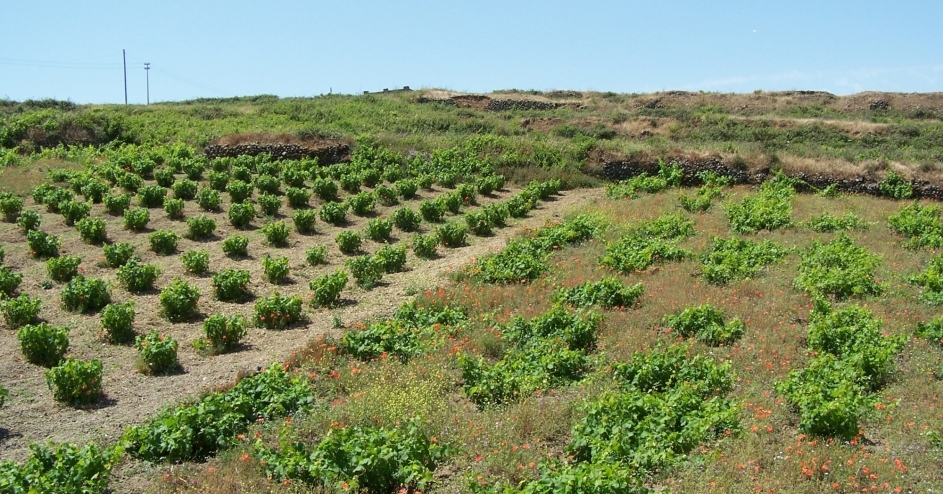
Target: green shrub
pixel 85 295
pixel 701 201
pixel 362 203
pixel 770 209
pixel 324 189
pixel 277 311
pixel 239 191
pixel 895 187
pixel 152 196
pixel 297 197
pixel 200 227
pixel 326 289
pixel 61 468
pixel 830 223
pixel 350 182
pixel 157 353
pixel 63 268
pixel 130 182
pixel 451 202
pixel 479 223
pixel 334 213
pixel 196 261
pixel 236 246
pixel 73 211
pixel 218 180
pixel 316 255
pixel 224 334
pixel 231 285
pixel 208 199
pixel 275 268
pixel 393 259
pixel 608 293
pixel 839 269
pixel 185 189
pixel 116 322
pixel 241 214
pixel 118 254
pixel 406 219
pixel 10 206
pixel 425 246
pixel 267 184
pixel 43 344
pixel 497 214
pixel 649 243
pixel 668 176
pixel 932 331
pixel 294 177
pixel 348 241
pixel 932 281
pixel 276 233
pixel 921 226
pixel 303 220
pixel 163 242
pixel 452 235
pixel 179 301
pixel 164 177
pixel 406 188
pixel 242 173
pixel 387 196
pixel 117 205
pixel 706 323
pixel 174 208
pixel 29 220
pixel 269 204
pixel 379 230
pixel 520 204
pixel 738 259
pixel 370 177
pixel 488 184
pixel 76 382
pixel 9 282
pixel 20 311
pixel 95 190
pixel 366 270
pixel 91 230
pixel 431 211
pixel 136 219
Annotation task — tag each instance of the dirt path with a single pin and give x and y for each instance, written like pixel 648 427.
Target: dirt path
pixel 31 415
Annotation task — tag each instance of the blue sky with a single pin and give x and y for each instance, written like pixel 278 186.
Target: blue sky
pixel 72 50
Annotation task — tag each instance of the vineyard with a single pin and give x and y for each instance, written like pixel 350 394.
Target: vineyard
pixel 468 318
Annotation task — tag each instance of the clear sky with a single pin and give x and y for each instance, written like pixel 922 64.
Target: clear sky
pixel 72 50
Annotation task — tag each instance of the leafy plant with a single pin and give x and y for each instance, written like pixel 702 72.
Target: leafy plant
pixel 608 292
pixel 117 204
pixel 42 245
pixel 275 268
pixel 116 322
pixel 224 334
pixel 452 235
pixel 326 289
pixel 277 311
pixel 431 211
pixel 706 323
pixel 118 254
pixel 179 300
pixel 333 213
pixel 62 468
pixel 366 270
pixel 218 180
pixel 324 189
pixel 406 188
pixel 406 219
pixel 10 206
pixel 298 197
pixel 85 295
pixel 236 246
pixel 157 353
pixel 185 189
pixel 91 230
pixel 479 223
pixel 348 241
pixel 136 219
pixel 20 311
pixel 239 191
pixel 830 223
pixel 393 259
pixel 303 220
pixel 316 255
pixel 29 220
pixel 164 177
pixel 208 199
pixel 9 282
pixel 649 243
pixel 241 214
pixel 425 246
pixel 895 187
pixel 200 227
pixel 269 204
pixel 839 269
pixel 43 344
pixel 379 229
pixel 231 285
pixel 196 261
pixel 363 203
pixel 267 184
pixel 76 382
pixel 63 268
pixel 163 242
pixel 770 209
pixel 152 196
pixel 276 233
pixel 921 226
pixel 737 259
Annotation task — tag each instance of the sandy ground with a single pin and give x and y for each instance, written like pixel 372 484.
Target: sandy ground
pixel 31 414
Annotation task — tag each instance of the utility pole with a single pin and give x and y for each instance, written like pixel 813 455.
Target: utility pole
pixel 147 72
pixel 124 59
